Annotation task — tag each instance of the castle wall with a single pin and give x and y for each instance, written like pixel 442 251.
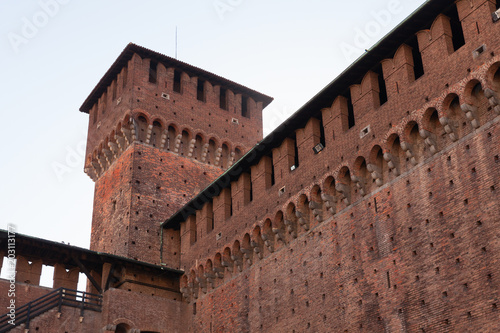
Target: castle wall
pixel 390 227
pixel 137 193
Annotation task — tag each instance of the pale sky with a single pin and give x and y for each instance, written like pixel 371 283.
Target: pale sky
pixel 53 53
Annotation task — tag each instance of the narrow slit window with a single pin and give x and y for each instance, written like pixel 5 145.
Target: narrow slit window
pixel 200 90
pixel 418 65
pixel 456 27
pixel 497 4
pixel 381 84
pixel 177 81
pixel 223 99
pixel 153 65
pixel 251 190
pixel 322 133
pixel 244 106
pixel 114 84
pixel 296 157
pixel 350 111
pixel 273 178
pixel 210 217
pixel 125 76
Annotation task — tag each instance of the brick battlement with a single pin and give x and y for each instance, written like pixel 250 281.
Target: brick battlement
pixel 346 205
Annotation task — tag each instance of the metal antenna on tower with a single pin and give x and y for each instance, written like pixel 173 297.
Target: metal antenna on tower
pixel 175 42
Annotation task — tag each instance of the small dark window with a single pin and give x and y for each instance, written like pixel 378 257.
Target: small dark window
pixel 418 65
pixel 296 157
pixel 497 4
pixel 350 110
pixel 124 77
pixel 153 65
pixel 322 133
pixel 381 84
pixel 456 27
pixel 273 178
pixel 223 99
pixel 114 90
pixel 244 106
pixel 251 190
pixel 200 90
pixel 177 81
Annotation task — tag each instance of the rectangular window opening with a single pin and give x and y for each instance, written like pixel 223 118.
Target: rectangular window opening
pixel 124 77
pixel 273 178
pixel 210 216
pixel 251 190
pixel 114 84
pixel 296 157
pixel 153 65
pixel 350 110
pixel 244 106
pixel 381 84
pixel 223 99
pixel 177 81
pixel 456 27
pixel 418 65
pixel 322 133
pixel 200 90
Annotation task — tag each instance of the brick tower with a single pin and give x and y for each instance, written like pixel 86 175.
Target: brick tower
pixel 160 131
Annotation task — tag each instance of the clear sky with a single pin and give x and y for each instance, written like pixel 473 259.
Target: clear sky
pixel 53 53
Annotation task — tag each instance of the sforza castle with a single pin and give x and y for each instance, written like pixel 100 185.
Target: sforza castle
pixel 373 208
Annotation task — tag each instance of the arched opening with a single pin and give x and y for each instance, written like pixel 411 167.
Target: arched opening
pixel 224 159
pixel 415 146
pixel 316 204
pixel 122 328
pixel 395 156
pixel 171 134
pixel 291 220
pixel 268 235
pixel 329 195
pixel 378 168
pixel 303 212
pixel 279 226
pixel 156 134
pixel 496 77
pixel 184 147
pixel 246 248
pixel 142 127
pixel 226 260
pixel 459 126
pixel 481 102
pixel 212 148
pixel 361 178
pixel 198 147
pixel 343 185
pixel 238 153
pixel 435 136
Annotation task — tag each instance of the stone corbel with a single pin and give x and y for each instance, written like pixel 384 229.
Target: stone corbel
pixel 301 220
pixel 330 202
pixel 492 99
pixel 391 163
pixel 317 210
pixel 344 190
pixel 408 151
pixel 471 114
pixel 290 228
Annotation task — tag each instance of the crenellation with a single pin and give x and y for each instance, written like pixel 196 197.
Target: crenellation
pixel 398 72
pixel 373 208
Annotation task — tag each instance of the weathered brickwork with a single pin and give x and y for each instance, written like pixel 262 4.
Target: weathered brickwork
pixel 387 228
pixel 374 208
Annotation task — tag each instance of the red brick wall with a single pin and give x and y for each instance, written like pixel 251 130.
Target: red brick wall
pixel 408 248
pixel 148 185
